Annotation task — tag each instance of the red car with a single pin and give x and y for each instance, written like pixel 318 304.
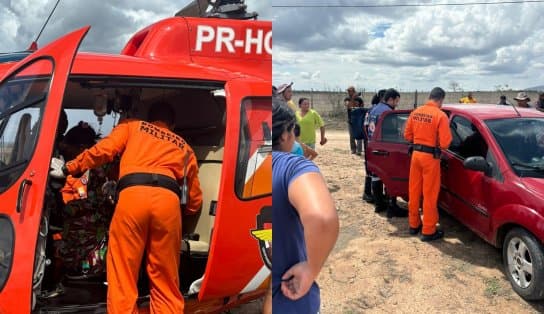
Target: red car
pixel 492 180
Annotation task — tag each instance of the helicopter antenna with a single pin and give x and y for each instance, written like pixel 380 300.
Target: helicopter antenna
pixel 34 44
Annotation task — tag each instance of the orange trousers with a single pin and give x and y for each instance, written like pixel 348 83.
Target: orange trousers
pixel 145 218
pixel 424 178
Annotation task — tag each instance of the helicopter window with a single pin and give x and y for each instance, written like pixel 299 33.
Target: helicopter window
pixel 22 99
pixel 254 155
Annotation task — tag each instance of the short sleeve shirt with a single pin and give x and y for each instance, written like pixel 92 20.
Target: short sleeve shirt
pixel 374 116
pixel 297 149
pixel 308 124
pixel 289 247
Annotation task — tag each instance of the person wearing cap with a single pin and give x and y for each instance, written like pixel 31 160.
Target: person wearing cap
pixel 285 92
pixel 503 101
pixel 523 100
pixel 540 103
pixel 468 99
pixel 305 221
pixel 353 102
pixel 427 129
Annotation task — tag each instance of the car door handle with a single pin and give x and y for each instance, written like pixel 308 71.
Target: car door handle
pixel 21 194
pixel 380 152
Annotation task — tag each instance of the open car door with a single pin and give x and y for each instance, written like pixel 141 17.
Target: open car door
pixel 31 95
pixel 240 250
pixel 387 153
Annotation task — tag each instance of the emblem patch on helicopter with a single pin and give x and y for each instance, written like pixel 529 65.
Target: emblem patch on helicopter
pixel 263 234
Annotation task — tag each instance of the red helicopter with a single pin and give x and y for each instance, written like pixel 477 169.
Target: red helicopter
pixel 212 60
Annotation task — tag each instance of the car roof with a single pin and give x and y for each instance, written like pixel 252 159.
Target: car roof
pixel 492 111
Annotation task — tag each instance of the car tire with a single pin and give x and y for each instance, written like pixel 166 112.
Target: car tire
pixel 523 257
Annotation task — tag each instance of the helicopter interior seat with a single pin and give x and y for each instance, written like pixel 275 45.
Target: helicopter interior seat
pixel 210 162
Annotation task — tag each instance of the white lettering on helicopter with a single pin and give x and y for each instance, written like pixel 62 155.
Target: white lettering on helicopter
pixel 225 38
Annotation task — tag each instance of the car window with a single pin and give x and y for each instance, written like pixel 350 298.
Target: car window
pixel 495 171
pixel 522 142
pixel 393 127
pixel 467 141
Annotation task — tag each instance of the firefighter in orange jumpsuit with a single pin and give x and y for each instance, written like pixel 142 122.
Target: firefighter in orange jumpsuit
pixel 428 130
pixel 154 162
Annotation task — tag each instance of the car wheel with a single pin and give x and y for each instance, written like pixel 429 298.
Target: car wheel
pixel 523 258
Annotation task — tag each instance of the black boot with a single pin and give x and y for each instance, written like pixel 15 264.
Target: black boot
pixel 393 210
pixel 367 194
pixel 379 198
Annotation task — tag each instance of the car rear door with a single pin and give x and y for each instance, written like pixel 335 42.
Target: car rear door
pixel 27 129
pixel 239 258
pixel 387 153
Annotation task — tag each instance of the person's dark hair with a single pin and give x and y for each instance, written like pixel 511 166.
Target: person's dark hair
pixel 63 123
pixel 390 93
pixel 503 97
pixel 375 99
pixel 437 94
pixel 81 134
pixel 161 111
pixel 381 93
pixel 297 130
pixel 301 100
pixel 359 101
pixel 283 119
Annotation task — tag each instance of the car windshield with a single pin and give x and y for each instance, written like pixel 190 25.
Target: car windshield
pixel 522 141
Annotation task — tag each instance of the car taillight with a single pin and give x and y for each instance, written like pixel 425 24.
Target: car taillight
pixel 6 249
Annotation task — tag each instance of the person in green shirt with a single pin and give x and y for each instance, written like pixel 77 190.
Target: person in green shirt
pixel 309 120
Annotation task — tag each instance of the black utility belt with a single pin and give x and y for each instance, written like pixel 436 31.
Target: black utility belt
pixel 149 179
pixel 435 151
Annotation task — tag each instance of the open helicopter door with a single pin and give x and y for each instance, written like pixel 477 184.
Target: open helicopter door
pixel 240 250
pixel 31 95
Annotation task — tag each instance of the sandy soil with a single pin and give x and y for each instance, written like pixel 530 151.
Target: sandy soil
pixel 377 267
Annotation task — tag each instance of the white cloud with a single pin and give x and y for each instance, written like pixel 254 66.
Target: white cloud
pixel 479 46
pixel 112 21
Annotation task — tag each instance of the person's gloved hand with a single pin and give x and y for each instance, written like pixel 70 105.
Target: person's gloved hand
pixel 55 170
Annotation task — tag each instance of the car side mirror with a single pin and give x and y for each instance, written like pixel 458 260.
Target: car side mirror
pixel 477 163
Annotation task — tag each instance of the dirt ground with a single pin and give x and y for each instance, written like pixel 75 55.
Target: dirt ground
pixel 377 267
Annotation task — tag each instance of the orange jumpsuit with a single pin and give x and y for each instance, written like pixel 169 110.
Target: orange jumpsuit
pixel 145 217
pixel 427 125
